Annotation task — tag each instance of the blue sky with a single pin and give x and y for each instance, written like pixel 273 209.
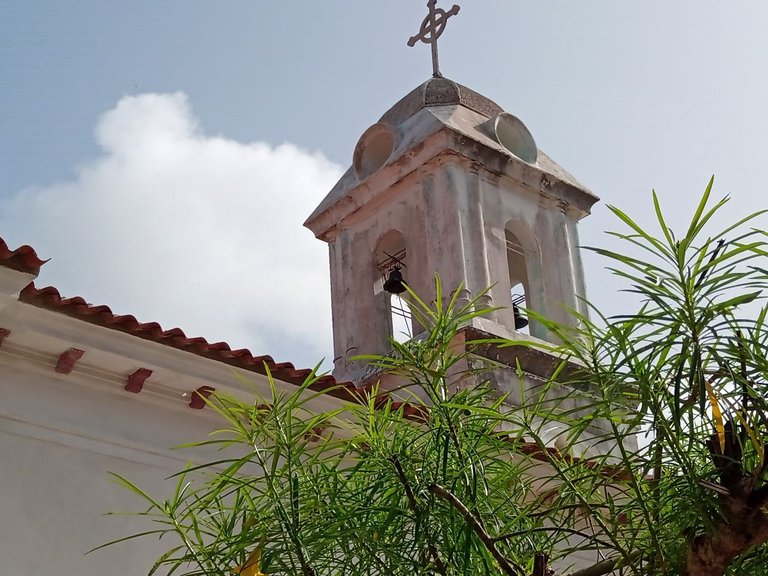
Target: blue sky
pixel 257 107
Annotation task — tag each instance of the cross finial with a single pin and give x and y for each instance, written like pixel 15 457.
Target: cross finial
pixel 431 29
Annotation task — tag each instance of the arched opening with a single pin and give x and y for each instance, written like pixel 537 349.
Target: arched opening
pixel 391 272
pixel 518 280
pixel 400 318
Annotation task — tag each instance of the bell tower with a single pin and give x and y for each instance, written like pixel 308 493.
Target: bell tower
pixel 448 183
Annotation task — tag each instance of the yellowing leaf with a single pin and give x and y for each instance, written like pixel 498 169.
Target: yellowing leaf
pixel 252 566
pixel 758 446
pixel 717 416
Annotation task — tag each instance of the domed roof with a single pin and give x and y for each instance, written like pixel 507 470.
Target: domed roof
pixel 439 92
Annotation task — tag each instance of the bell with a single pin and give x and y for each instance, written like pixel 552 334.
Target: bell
pixel 520 320
pixel 394 283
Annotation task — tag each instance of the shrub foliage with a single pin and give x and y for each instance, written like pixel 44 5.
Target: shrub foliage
pixel 656 466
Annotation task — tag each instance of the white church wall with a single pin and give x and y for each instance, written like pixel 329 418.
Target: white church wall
pixel 59 438
pixel 62 433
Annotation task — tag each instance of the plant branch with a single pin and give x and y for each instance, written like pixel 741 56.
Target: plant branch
pixel 552 529
pixel 477 528
pixel 560 508
pixel 606 566
pixel 414 505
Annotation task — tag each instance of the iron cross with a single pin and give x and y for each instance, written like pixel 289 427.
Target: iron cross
pixel 431 29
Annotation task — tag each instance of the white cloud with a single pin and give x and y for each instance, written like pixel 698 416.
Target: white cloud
pixel 188 230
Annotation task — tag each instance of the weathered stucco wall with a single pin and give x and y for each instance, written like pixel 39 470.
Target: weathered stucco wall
pixel 452 214
pixel 437 170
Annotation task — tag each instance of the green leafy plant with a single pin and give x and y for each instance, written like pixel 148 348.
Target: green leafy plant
pixel 656 466
pixel 686 375
pixel 378 486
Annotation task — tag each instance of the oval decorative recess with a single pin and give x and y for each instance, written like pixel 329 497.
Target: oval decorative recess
pixel 515 137
pixel 373 149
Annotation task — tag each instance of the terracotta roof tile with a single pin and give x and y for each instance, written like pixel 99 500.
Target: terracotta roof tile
pixel 76 307
pixel 23 259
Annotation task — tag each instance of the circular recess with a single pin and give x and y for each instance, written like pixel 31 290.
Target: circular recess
pixel 515 137
pixel 373 149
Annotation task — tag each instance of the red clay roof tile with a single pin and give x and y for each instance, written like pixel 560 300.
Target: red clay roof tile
pixel 76 307
pixel 23 259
